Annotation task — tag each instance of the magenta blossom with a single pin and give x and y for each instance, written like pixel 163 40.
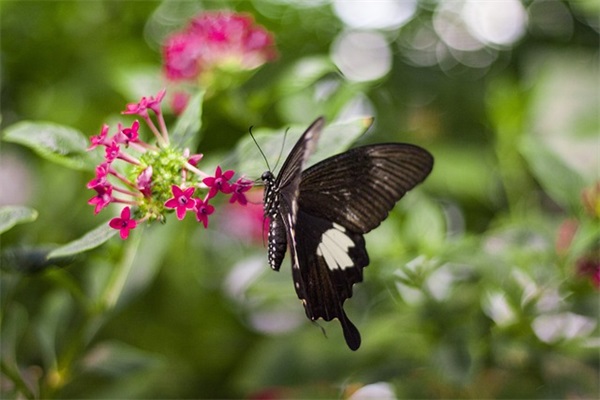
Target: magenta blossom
pixel 238 189
pixel 100 139
pixel 102 171
pixel 129 135
pixel 123 224
pixel 141 108
pixel 181 201
pixel 203 210
pixel 152 179
pixel 216 40
pixel 103 197
pixel 219 182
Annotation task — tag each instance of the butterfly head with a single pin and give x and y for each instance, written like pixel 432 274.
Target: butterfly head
pixel 267 177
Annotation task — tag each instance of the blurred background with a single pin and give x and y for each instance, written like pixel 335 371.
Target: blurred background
pixel 483 281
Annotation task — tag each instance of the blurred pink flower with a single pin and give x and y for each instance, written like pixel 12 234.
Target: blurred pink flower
pixel 248 222
pixel 217 40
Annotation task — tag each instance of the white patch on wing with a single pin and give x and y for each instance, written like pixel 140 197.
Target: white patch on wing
pixel 334 248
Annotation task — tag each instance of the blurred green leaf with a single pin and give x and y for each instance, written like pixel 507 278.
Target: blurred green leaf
pixel 13 328
pixel 30 259
pixel 117 359
pixel 13 215
pixel 148 256
pixel 304 73
pixel 187 129
pixel 50 324
pixel 57 143
pixel 335 138
pixel 135 82
pixel 90 240
pixel 561 183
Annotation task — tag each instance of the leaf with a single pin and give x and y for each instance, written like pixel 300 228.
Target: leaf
pixel 30 259
pixel 339 137
pixel 335 138
pixel 304 73
pixel 57 143
pixel 186 132
pixel 136 82
pixel 562 183
pixel 13 215
pixel 117 359
pixel 90 240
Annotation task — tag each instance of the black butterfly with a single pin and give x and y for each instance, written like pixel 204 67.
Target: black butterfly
pixel 323 212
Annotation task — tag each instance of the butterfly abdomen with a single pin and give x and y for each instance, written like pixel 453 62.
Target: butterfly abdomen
pixel 277 241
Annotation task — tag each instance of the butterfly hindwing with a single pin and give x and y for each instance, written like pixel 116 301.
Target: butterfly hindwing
pixel 330 260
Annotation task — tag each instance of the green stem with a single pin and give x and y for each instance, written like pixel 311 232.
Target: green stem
pixel 58 376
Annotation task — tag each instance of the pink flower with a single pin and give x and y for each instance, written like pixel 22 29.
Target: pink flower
pixel 219 183
pixel 194 159
pixel 179 102
pixel 153 103
pixel 129 135
pixel 181 53
pixel 141 108
pixel 102 171
pixel 246 223
pixel 144 181
pixel 103 197
pixel 158 178
pixel 112 152
pixel 216 40
pixel 123 224
pixel 238 189
pixel 181 201
pixel 100 139
pixel 203 210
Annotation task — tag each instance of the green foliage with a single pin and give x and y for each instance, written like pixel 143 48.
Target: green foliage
pixel 12 215
pixel 59 144
pixel 481 281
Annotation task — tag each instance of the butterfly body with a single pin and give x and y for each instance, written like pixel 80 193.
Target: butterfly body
pixel 322 213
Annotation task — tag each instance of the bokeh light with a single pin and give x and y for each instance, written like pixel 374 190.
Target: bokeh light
pixel 375 14
pixel 362 55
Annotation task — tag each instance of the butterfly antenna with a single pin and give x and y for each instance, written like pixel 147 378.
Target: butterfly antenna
pixel 259 149
pixel 282 146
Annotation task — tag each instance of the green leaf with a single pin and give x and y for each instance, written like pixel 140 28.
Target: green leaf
pixel 90 240
pixel 57 143
pixel 13 215
pixel 187 129
pixel 135 82
pixel 304 73
pixel 335 138
pixel 116 359
pixel 561 183
pixel 339 137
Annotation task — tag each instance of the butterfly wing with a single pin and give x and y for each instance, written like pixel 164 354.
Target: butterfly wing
pixel 358 188
pixel 340 199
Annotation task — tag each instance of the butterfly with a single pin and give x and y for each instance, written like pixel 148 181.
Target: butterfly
pixel 322 213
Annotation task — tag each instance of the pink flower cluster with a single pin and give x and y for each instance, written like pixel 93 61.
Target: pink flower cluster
pixel 160 176
pixel 216 40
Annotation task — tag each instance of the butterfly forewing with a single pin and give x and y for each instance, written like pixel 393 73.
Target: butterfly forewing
pixel 363 183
